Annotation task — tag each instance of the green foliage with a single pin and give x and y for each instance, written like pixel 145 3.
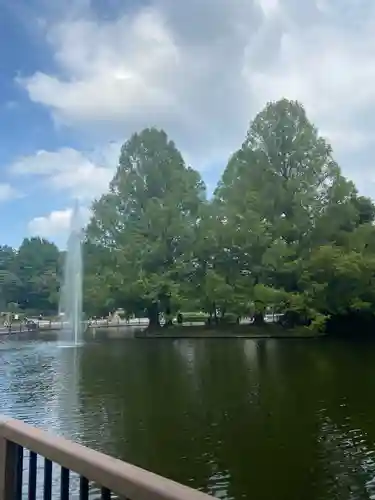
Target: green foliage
pixel 194 317
pixel 283 232
pixel 147 222
pixel 30 277
pixel 36 266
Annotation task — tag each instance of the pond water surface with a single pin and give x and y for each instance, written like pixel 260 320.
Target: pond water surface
pixel 237 418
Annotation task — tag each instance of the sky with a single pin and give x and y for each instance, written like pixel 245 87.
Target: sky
pixel 78 77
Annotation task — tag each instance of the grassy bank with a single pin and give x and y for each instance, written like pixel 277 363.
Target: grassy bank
pixel 228 331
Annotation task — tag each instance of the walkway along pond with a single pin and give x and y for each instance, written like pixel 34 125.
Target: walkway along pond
pixel 49 325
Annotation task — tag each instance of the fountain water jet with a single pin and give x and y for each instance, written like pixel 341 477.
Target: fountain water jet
pixel 71 291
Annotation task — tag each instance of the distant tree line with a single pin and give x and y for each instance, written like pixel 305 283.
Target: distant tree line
pixel 283 229
pixel 30 277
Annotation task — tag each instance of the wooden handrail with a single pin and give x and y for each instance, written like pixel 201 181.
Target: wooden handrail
pixel 118 476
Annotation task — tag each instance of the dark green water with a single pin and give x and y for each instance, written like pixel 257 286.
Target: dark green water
pixel 239 419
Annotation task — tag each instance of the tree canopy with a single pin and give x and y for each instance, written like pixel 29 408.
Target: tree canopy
pixel 30 276
pixel 146 223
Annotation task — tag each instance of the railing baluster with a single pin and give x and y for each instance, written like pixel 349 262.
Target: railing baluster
pixel 32 476
pixel 83 488
pixel 106 494
pixel 19 467
pixel 64 484
pixel 47 491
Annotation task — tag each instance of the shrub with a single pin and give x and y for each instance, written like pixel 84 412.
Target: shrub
pixel 194 317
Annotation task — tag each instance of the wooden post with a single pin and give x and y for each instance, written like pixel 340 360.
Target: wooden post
pixel 3 444
pixel 10 470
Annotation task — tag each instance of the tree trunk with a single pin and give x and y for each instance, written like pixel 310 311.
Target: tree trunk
pixel 153 316
pixel 222 315
pixel 259 319
pixel 216 319
pixel 168 313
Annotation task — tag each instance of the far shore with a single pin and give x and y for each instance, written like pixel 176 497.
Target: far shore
pixel 227 331
pixel 188 330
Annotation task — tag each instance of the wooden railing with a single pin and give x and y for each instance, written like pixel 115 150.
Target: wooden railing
pixel 28 457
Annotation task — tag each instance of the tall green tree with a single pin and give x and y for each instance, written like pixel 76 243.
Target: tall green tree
pixel 147 221
pixel 281 194
pixel 37 266
pixel 8 280
pixel 284 173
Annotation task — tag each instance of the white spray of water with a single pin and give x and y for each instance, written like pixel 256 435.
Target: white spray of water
pixel 71 291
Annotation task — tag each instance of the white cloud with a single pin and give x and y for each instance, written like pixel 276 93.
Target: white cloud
pixel 269 6
pixel 99 85
pixel 82 175
pixel 165 65
pixel 201 70
pixel 8 192
pixel 55 224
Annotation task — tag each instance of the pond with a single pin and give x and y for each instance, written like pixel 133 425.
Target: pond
pixel 237 418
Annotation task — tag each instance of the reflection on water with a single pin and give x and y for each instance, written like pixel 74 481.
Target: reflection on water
pixel 237 418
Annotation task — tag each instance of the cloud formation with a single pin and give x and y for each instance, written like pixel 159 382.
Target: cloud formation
pixel 56 224
pixel 202 69
pixel 8 192
pixel 83 176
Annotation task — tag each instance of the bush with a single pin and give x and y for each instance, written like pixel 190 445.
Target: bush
pixel 292 318
pixel 229 319
pixel 194 317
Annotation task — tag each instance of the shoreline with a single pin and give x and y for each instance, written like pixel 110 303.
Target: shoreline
pixel 191 331
pixel 228 332
pixel 229 336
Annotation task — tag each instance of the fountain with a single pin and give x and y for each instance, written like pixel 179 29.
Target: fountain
pixel 71 291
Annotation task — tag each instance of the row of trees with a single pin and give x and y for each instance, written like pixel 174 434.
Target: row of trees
pixel 30 276
pixel 283 228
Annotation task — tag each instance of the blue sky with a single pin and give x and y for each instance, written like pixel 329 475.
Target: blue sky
pixel 25 126
pixel 77 77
